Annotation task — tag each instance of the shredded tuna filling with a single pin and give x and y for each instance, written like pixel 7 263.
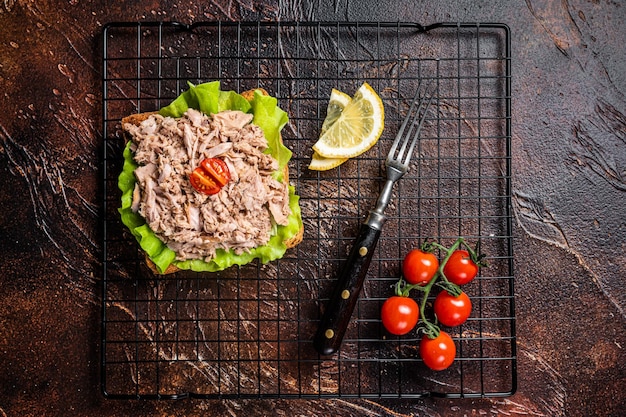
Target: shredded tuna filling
pixel 194 225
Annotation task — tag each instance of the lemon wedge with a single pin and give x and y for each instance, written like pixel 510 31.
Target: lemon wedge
pixel 357 127
pixel 337 102
pixel 319 163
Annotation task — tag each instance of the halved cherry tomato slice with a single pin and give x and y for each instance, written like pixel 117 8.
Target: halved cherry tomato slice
pixel 202 182
pixel 210 176
pixel 217 169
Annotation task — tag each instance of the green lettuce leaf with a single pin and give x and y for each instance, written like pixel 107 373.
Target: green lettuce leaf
pixel 210 99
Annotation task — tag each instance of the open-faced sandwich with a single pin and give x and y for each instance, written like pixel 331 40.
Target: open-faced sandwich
pixel 205 182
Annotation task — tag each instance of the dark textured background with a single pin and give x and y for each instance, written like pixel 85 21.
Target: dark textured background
pixel 569 184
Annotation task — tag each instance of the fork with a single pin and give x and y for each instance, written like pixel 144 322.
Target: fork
pixel 340 306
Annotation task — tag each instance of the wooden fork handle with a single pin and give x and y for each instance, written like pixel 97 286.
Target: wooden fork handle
pixel 340 306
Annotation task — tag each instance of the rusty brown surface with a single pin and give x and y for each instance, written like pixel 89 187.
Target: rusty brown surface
pixel 569 162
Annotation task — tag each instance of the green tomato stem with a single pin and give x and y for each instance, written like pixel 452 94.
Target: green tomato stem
pixel 431 329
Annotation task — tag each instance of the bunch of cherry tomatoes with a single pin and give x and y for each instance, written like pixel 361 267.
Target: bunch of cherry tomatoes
pixel 421 271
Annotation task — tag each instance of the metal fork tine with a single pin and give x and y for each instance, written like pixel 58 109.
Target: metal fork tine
pixel 414 118
pixel 418 106
pixel 408 117
pixel 417 133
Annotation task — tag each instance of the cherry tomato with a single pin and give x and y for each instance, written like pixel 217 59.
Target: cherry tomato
pixel 210 176
pixel 202 182
pixel 450 310
pixel 217 169
pixel 438 353
pixel 399 314
pixel 460 269
pixel 419 267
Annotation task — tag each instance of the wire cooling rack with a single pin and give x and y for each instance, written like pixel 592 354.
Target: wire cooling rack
pixel 246 332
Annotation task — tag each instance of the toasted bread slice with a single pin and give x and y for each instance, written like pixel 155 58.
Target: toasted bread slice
pixel 136 119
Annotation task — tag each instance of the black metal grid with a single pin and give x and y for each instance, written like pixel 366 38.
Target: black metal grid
pixel 246 332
